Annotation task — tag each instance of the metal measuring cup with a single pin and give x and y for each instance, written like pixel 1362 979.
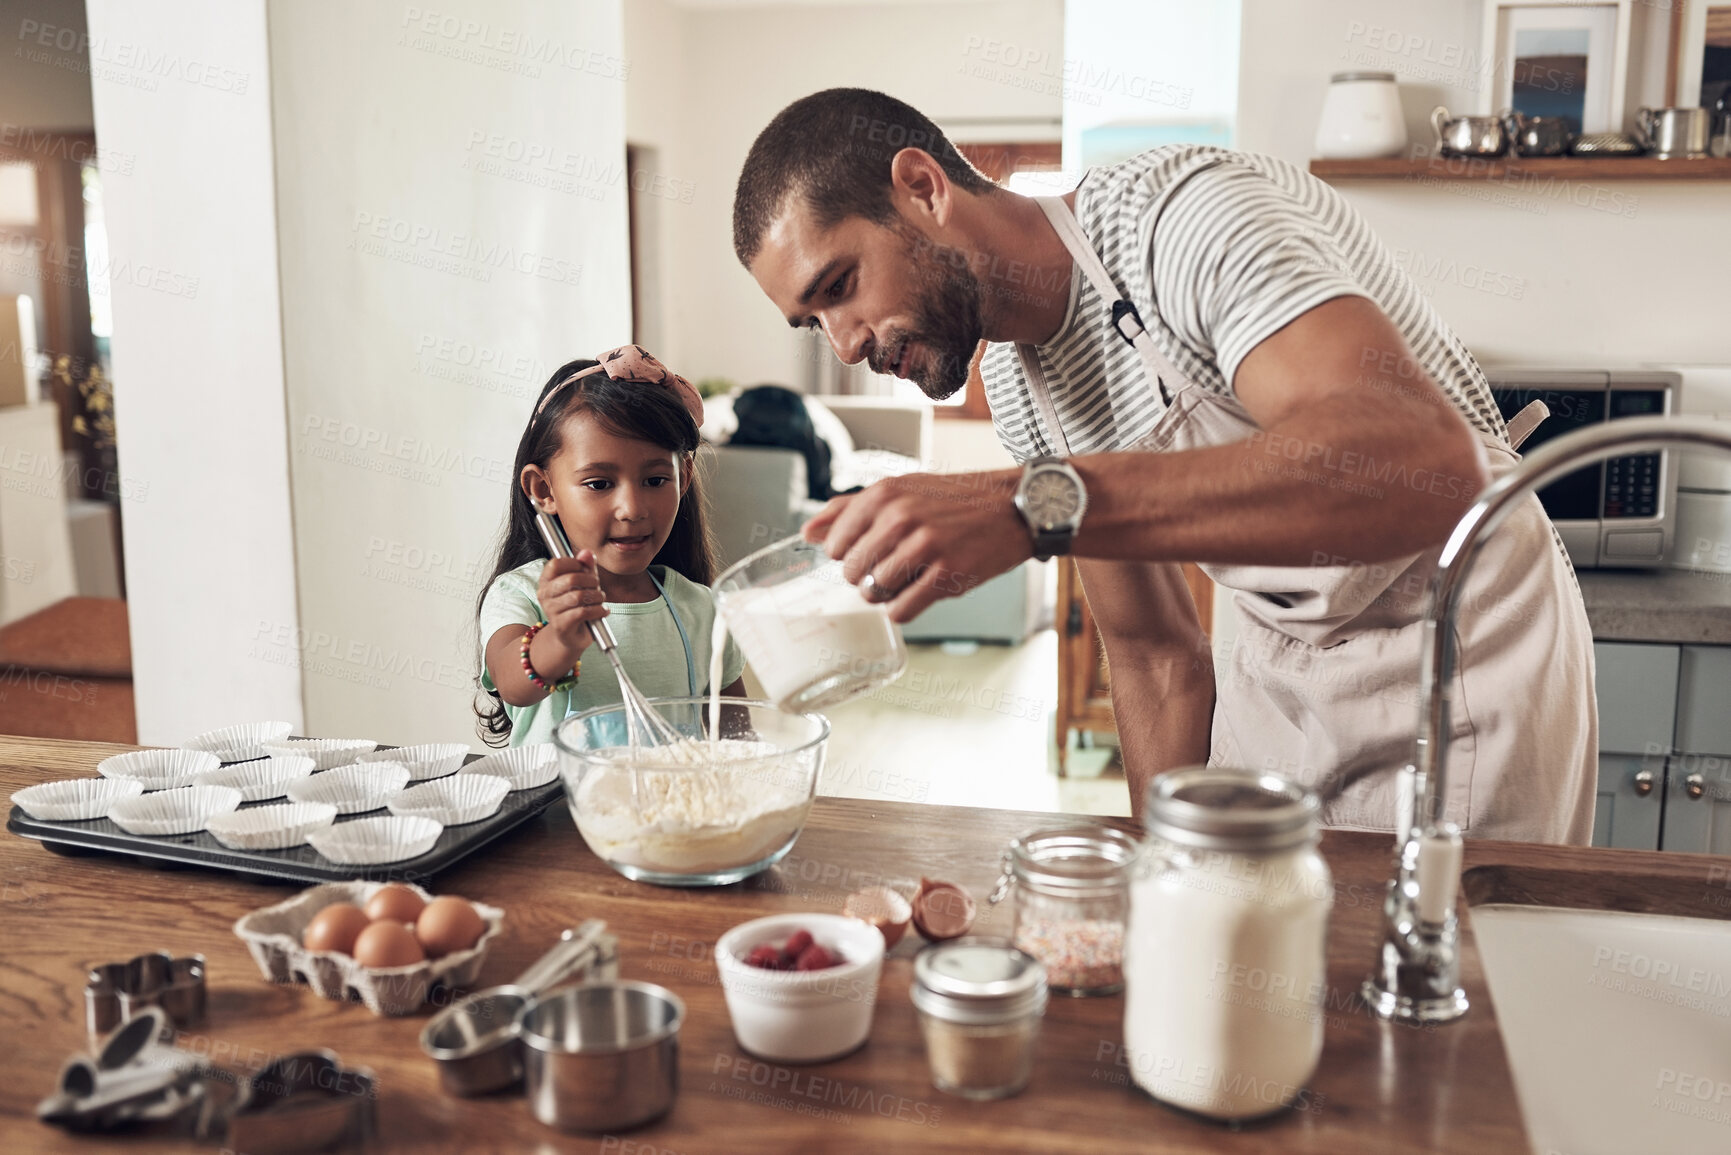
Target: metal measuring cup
pixel 476 1041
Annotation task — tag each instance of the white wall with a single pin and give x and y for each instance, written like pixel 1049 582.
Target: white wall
pixel 741 67
pixel 1565 272
pixel 453 228
pixel 210 550
pixel 45 80
pixel 1152 61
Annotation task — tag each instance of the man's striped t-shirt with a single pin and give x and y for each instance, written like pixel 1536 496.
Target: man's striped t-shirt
pixel 1245 245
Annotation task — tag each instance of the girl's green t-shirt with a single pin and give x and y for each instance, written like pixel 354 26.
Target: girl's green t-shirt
pixel 648 640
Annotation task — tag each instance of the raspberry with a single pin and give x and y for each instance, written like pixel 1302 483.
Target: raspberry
pixel 765 956
pixel 796 944
pixel 815 958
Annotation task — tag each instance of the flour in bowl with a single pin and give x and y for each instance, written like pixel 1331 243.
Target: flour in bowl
pixel 695 806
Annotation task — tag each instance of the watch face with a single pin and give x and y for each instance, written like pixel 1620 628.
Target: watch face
pixel 1053 499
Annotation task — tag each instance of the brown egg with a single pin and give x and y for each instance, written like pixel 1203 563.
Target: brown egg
pixel 335 928
pixel 448 925
pixel 395 902
pixel 942 910
pixel 387 944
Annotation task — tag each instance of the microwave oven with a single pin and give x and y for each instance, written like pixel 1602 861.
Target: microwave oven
pixel 1619 513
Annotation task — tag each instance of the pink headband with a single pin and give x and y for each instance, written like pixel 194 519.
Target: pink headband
pixel 633 363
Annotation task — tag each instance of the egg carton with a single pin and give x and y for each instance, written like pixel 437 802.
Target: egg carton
pixel 273 935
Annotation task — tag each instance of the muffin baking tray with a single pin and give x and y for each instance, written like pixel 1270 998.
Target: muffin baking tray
pixel 297 863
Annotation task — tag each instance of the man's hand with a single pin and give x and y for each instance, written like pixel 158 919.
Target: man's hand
pixel 925 536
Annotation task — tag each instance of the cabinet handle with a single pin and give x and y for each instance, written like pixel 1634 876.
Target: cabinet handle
pixel 1695 785
pixel 1643 783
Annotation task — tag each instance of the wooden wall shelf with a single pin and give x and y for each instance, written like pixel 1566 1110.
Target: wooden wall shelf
pixel 1524 168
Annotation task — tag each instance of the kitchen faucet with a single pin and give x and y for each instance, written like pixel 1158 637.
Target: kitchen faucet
pixel 1417 975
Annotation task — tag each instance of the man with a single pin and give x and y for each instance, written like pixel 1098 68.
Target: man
pixel 1206 356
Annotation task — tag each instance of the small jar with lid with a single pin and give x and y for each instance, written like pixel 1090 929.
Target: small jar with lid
pixel 1361 117
pixel 1225 956
pixel 1071 886
pixel 980 1001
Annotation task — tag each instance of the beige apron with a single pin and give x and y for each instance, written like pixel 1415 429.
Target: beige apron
pixel 1321 683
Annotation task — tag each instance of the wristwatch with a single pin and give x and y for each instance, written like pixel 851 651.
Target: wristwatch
pixel 1051 499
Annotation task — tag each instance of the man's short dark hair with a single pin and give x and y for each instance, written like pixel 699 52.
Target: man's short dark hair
pixel 833 148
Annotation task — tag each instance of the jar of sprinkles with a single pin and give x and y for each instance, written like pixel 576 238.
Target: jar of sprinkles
pixel 1072 897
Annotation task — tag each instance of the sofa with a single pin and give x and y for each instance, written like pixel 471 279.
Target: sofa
pixel 756 496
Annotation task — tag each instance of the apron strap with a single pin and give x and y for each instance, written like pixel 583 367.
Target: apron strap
pixel 1522 424
pixel 684 639
pixel 1155 365
pixel 1043 398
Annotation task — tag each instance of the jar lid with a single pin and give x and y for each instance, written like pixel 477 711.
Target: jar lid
pixel 978 980
pixel 1349 77
pixel 1222 809
pixel 1080 858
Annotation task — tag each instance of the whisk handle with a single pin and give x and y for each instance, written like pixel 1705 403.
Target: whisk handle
pixel 554 536
pixel 557 546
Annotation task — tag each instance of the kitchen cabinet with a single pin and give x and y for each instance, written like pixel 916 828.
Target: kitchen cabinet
pixel 1637 694
pixel 1664 747
pixel 1698 779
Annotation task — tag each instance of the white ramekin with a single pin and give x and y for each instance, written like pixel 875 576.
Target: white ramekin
pixel 801 1016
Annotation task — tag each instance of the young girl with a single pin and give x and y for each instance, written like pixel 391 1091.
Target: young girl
pixel 610 450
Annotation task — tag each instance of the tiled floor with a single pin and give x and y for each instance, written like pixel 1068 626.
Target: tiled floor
pixel 969 729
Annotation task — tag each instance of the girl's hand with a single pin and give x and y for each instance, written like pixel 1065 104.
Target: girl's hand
pixel 570 595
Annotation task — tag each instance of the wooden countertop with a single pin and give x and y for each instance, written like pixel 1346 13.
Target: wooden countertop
pixel 1379 1088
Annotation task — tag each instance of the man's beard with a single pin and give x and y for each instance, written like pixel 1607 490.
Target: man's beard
pixel 946 318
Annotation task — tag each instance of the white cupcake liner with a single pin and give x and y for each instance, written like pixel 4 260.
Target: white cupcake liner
pixel 453 801
pixel 351 789
pixel 179 811
pixel 239 743
pixel 428 760
pixel 276 827
pixel 75 799
pixel 366 841
pixel 273 935
pixel 260 779
pixel 159 769
pixel 326 753
pixel 524 767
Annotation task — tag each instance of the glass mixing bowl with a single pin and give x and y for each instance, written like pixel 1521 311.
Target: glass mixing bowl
pixel 699 824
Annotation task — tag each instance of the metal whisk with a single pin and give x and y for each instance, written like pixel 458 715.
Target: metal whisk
pixel 644 725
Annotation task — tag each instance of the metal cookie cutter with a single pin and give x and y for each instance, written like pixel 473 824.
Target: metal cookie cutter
pixel 306 1101
pixel 116 992
pixel 476 1041
pixel 131 1079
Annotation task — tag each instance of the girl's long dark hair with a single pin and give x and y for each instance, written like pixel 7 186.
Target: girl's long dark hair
pixel 632 409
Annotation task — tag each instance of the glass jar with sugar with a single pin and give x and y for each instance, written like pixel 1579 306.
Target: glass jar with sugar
pixel 1224 959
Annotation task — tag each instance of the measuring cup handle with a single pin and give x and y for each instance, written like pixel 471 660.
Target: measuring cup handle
pixel 1644 120
pixel 577 949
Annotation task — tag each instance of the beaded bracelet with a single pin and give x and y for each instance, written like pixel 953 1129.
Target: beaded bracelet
pixel 564 683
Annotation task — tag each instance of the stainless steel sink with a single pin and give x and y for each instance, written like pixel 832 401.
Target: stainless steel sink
pixel 1614 998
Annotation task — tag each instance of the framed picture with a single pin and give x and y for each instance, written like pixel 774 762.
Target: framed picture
pixel 1558 58
pixel 1703 54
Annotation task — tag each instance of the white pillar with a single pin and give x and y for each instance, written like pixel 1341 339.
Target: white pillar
pixel 374 230
pixel 183 88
